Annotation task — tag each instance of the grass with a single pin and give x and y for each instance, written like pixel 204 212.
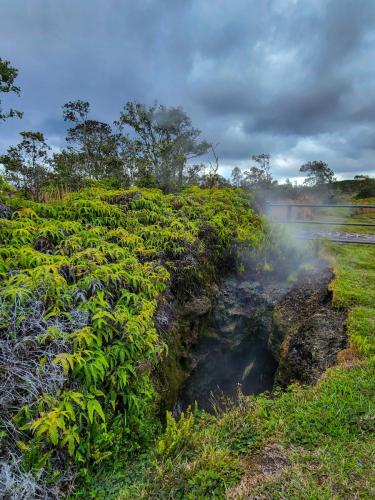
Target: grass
pixel 355 275
pixel 306 442
pixel 328 429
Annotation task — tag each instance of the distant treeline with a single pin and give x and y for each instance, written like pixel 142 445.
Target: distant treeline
pixel 148 146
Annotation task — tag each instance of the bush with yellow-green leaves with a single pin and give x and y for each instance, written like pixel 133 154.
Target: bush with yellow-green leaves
pixel 80 283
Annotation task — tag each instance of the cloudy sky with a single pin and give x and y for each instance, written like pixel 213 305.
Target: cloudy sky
pixel 295 78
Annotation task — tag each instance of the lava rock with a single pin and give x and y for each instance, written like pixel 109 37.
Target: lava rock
pixel 199 306
pixel 307 331
pixel 5 211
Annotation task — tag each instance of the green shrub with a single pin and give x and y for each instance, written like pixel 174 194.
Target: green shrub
pixel 178 434
pixel 83 277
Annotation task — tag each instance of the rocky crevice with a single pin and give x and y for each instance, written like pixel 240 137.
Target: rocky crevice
pixel 256 333
pixel 232 343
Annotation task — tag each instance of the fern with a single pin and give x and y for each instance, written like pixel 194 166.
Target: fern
pixel 109 265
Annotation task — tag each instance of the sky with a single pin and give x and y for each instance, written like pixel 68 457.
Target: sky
pixel 293 78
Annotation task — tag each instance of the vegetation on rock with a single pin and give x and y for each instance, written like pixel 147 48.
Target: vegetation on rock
pixel 81 280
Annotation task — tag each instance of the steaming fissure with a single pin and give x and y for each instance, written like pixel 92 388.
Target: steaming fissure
pixel 262 331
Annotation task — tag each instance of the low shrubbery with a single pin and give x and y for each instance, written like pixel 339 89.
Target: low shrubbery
pixel 81 280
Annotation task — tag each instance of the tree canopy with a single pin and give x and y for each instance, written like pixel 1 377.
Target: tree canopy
pixel 26 164
pixel 8 75
pixel 318 173
pixel 164 140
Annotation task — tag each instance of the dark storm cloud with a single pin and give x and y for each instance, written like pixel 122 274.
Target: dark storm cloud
pixel 312 110
pixel 290 77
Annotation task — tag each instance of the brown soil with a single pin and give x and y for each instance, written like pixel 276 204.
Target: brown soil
pixel 269 462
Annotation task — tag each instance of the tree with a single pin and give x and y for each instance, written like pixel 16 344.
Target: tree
pixel 8 74
pixel 236 177
pixel 263 160
pixel 76 111
pixel 67 170
pixel 93 147
pixel 318 173
pixel 259 175
pixel 133 168
pixel 164 141
pixel 27 164
pixel 213 179
pixel 192 175
pixel 97 146
pixel 254 177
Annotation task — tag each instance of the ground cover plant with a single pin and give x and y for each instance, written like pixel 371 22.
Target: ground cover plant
pixel 80 283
